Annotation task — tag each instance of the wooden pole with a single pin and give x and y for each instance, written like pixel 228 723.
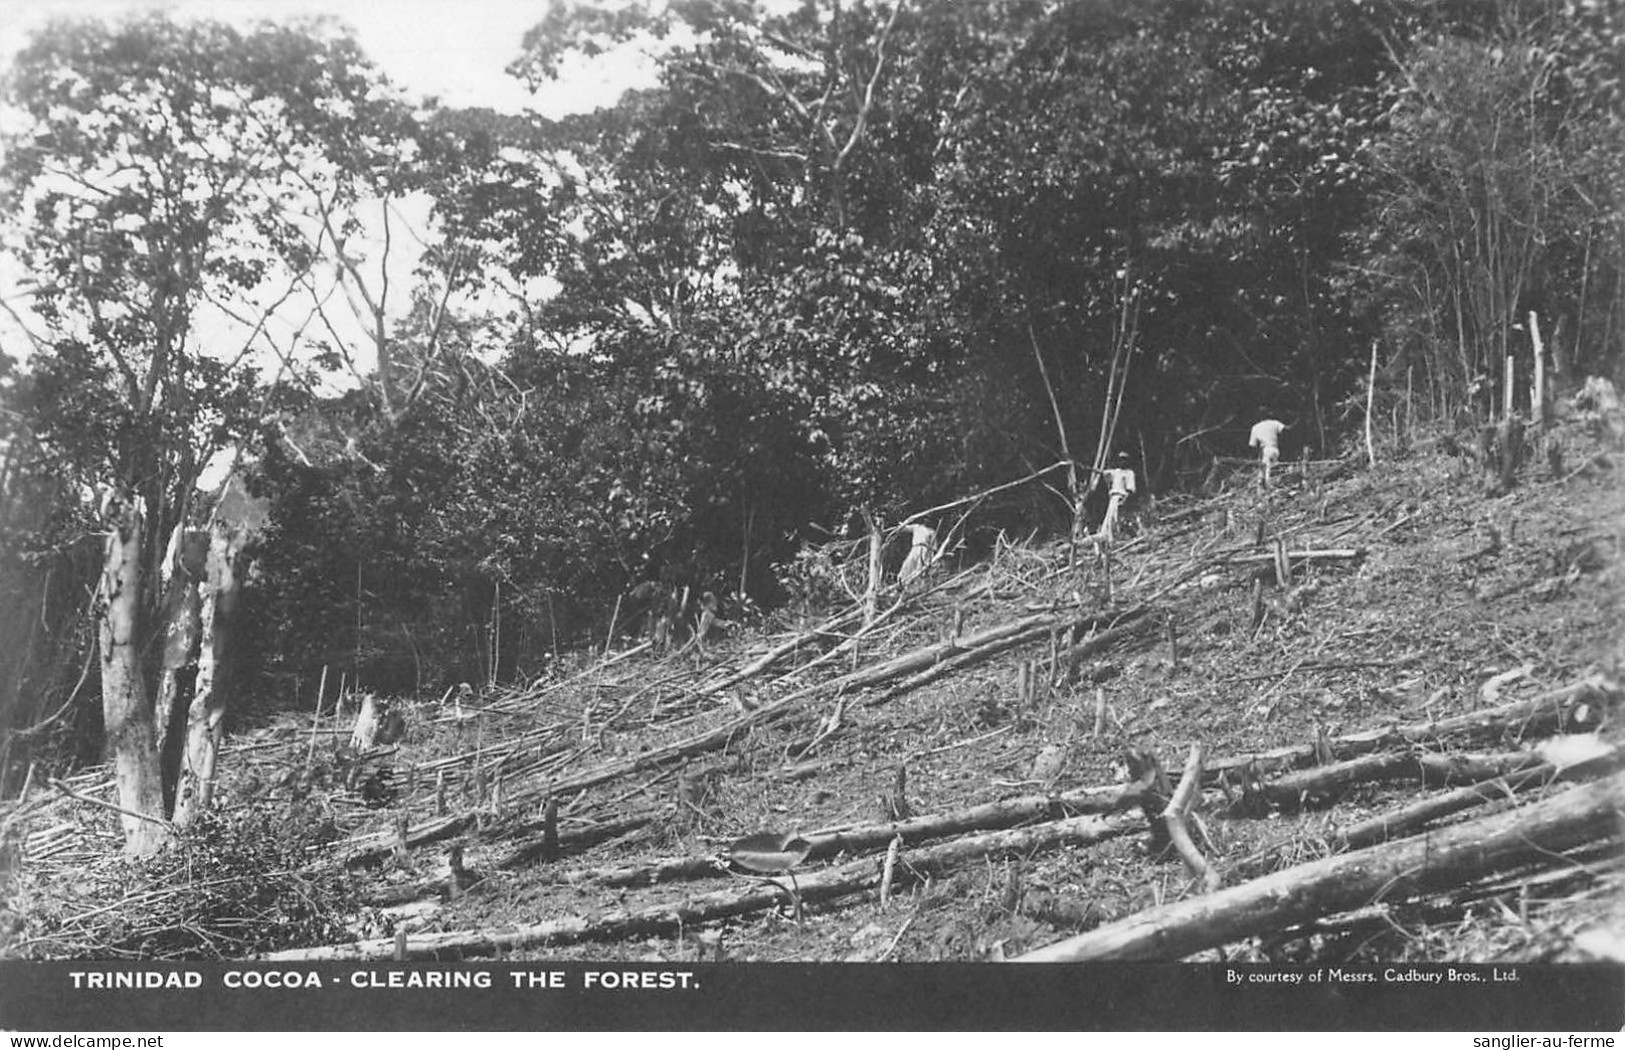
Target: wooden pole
pixel 1370 399
pixel 316 722
pixel 1410 410
pixel 1506 390
pixel 614 621
pixel 1537 396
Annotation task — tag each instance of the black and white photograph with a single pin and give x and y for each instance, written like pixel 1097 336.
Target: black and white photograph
pixel 812 516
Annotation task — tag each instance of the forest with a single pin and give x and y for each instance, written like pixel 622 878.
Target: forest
pixel 841 263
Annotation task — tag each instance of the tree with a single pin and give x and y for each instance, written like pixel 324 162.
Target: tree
pixel 1500 192
pixel 151 192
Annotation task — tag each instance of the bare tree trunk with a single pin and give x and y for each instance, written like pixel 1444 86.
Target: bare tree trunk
pixel 871 596
pixel 182 609
pixel 208 708
pixel 126 707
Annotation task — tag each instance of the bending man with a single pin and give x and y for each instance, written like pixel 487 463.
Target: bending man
pixel 1266 437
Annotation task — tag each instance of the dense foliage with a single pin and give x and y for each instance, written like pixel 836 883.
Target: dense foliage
pixel 864 255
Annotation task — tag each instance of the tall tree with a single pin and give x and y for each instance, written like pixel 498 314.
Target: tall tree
pixel 152 194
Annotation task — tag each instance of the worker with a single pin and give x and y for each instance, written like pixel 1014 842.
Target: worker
pixel 921 553
pixel 1119 482
pixel 1266 437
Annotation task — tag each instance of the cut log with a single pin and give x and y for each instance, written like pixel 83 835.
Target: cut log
pixel 1323 784
pixel 1406 819
pixel 1310 787
pixel 669 917
pixel 1577 707
pixel 831 628
pixel 1443 770
pixel 1274 557
pixel 1421 865
pixel 564 843
pixel 955 656
pixel 826 844
pixel 375 847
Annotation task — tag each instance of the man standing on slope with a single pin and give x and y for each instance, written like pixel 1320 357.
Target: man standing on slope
pixel 1120 478
pixel 1266 437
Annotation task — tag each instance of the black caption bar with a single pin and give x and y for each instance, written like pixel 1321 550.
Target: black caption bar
pixel 92 996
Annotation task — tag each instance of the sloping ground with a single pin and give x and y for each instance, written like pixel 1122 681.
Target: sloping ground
pixel 967 748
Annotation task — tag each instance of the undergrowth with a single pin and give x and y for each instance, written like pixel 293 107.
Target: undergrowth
pixel 235 886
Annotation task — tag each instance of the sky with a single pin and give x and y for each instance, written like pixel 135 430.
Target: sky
pixel 456 49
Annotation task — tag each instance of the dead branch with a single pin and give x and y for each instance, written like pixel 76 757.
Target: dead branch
pixel 975 497
pixel 77 797
pixel 1174 818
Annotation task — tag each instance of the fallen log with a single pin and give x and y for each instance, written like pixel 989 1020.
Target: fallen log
pixel 1310 787
pixel 1353 880
pixel 670 917
pixel 1323 784
pixel 1406 819
pixel 1330 554
pixel 1577 707
pixel 574 841
pixel 824 844
pixel 1443 770
pixel 803 640
pixel 375 848
pixel 675 869
pixel 1126 624
pixel 1585 865
pixel 991 815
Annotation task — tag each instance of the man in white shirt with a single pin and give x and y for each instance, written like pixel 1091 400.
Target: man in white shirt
pixel 1120 479
pixel 920 554
pixel 1266 437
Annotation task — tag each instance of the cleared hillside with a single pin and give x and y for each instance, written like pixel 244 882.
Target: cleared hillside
pixel 955 775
